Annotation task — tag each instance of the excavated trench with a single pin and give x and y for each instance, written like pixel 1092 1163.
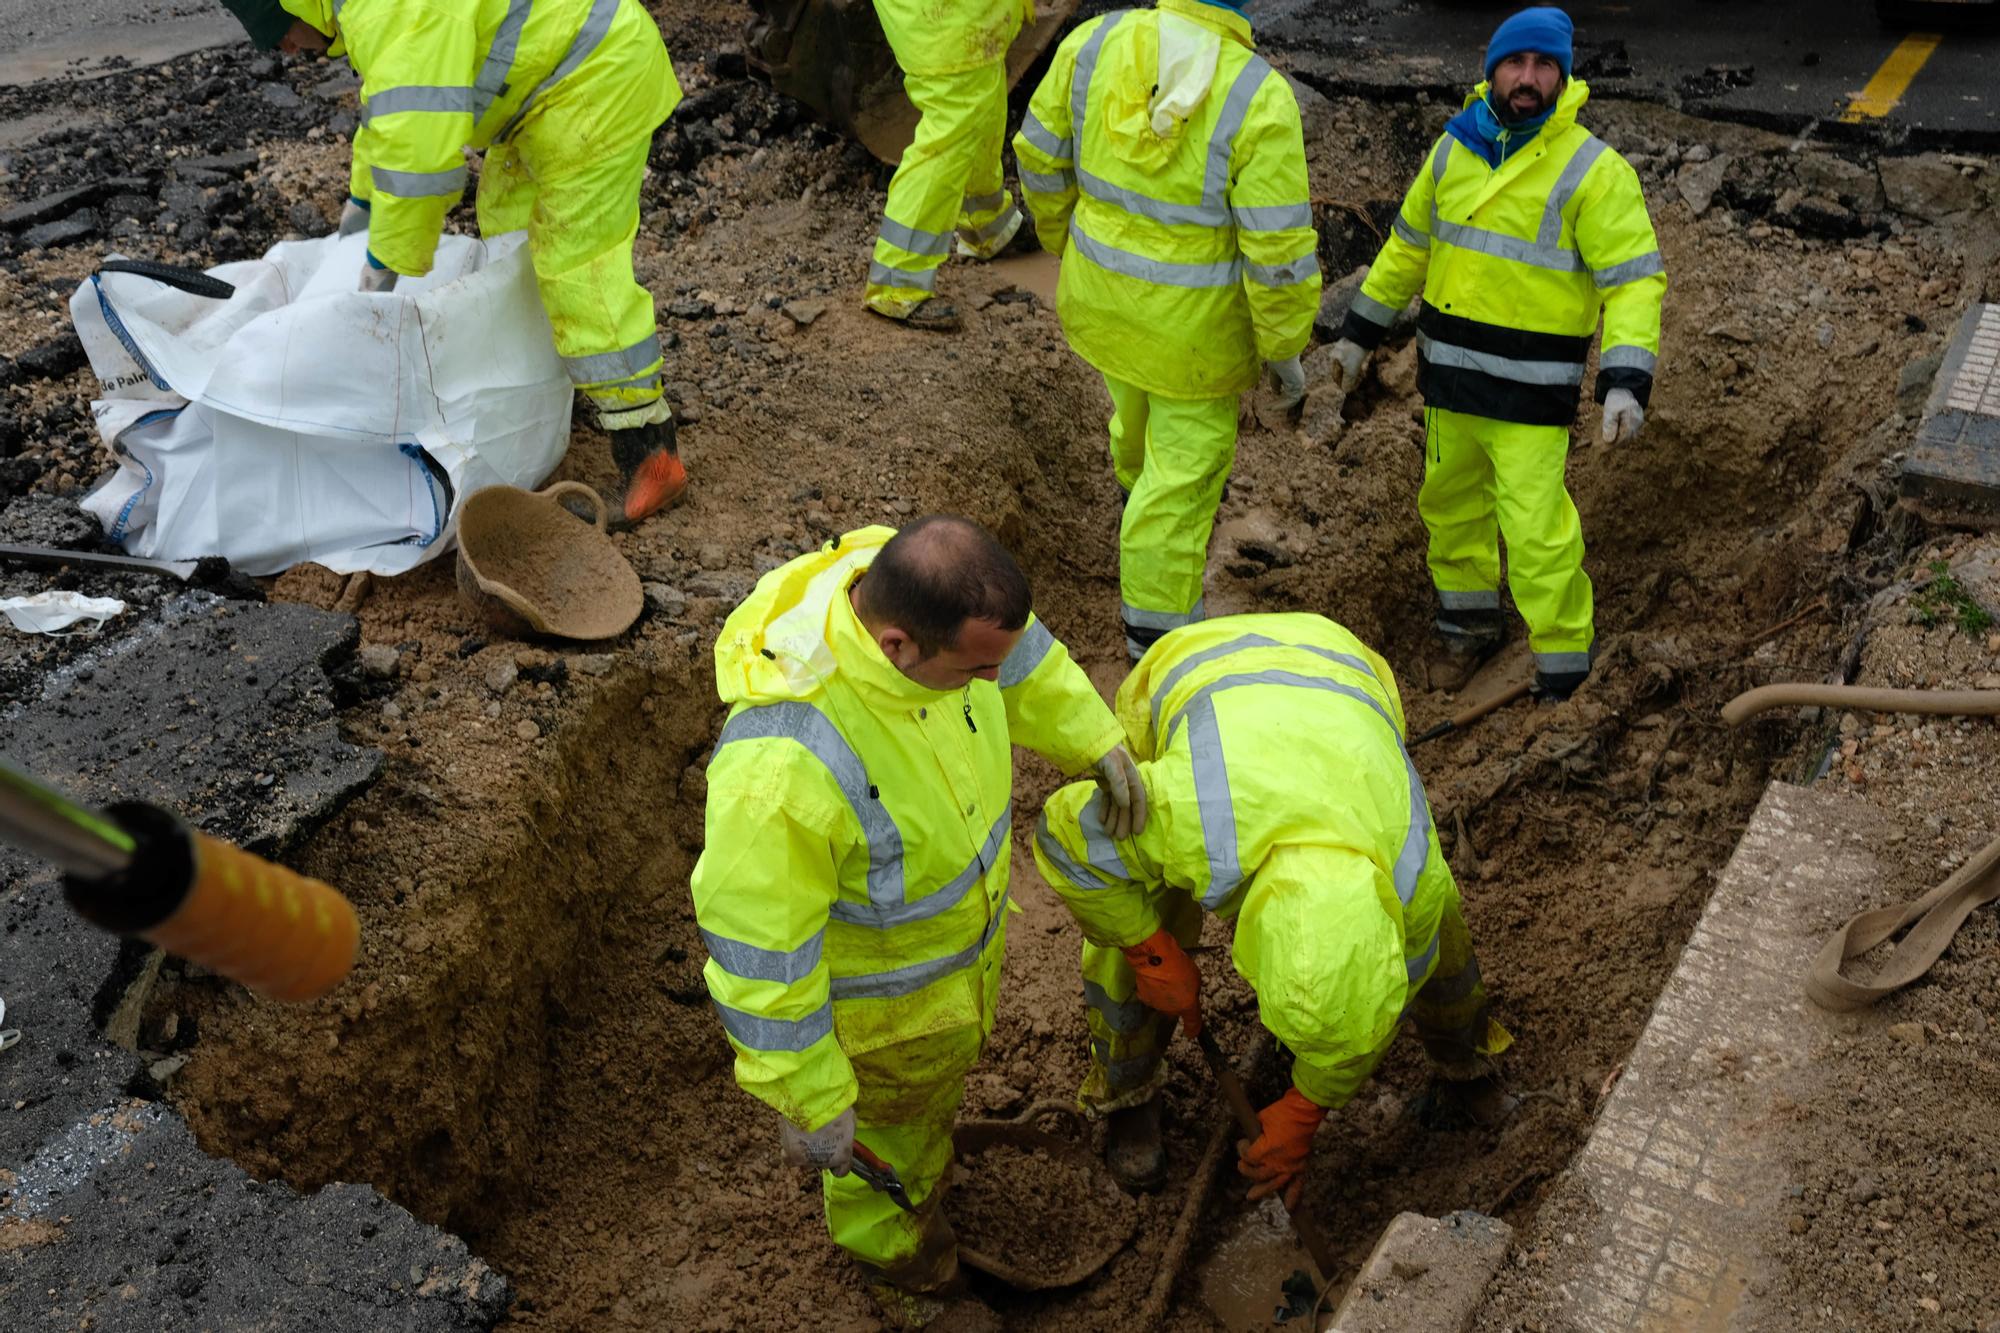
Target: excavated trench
pixel 526 1056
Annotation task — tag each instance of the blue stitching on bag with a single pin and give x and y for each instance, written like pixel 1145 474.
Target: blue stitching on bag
pixel 117 327
pixel 117 533
pixel 415 454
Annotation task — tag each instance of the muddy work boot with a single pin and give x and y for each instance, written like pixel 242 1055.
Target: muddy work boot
pixel 650 462
pixel 931 315
pixel 1135 1148
pixel 927 1290
pixel 1466 640
pixel 1552 687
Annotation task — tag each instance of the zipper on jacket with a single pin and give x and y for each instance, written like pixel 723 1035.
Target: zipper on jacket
pixel 966 697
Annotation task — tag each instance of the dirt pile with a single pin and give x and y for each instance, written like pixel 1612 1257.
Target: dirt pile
pixel 1040 1210
pixel 526 1053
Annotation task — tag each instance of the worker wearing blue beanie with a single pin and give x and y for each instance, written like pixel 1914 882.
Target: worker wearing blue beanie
pixel 1523 231
pixel 1544 30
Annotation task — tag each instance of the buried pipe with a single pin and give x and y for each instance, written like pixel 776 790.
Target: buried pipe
pixel 1866 698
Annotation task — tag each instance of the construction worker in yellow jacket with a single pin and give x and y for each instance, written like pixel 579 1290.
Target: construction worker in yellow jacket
pixel 853 889
pixel 1272 751
pixel 948 191
pixel 563 96
pixel 1163 159
pixel 1521 228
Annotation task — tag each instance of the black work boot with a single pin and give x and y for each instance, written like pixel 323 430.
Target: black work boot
pixel 929 314
pixel 1135 1148
pixel 1552 687
pixel 1467 640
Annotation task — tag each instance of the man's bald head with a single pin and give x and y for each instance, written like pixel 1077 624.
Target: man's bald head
pixel 938 573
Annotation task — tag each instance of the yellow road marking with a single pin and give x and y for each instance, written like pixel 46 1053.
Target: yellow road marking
pixel 1891 81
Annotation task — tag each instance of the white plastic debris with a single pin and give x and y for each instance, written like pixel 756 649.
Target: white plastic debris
pixel 54 612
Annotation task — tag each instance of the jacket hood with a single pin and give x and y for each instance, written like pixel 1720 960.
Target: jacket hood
pixel 1149 87
pixel 1568 103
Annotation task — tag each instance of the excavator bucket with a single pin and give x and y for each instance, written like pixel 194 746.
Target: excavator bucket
pixel 831 55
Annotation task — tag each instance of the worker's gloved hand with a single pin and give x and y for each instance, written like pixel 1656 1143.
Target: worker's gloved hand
pixel 1349 357
pixel 1124 808
pixel 353 217
pixel 1290 379
pixel 1622 417
pixel 377 278
pixel 1169 982
pixel 828 1148
pixel 1276 1160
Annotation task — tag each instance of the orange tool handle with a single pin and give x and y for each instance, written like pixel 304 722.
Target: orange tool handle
pixel 282 934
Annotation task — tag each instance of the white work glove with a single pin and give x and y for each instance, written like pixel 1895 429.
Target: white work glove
pixel 353 217
pixel 1349 357
pixel 1124 808
pixel 377 279
pixel 1622 417
pixel 828 1148
pixel 1290 379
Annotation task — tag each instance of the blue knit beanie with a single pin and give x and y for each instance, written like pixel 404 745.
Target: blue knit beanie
pixel 1544 29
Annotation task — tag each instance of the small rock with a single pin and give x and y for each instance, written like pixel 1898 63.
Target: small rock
pixel 1864 1190
pixel 526 729
pixel 392 711
pixel 502 677
pixel 1927 1303
pixel 1910 1034
pixel 1989 681
pixel 803 313
pixel 592 664
pixel 1796 1224
pixel 712 556
pixel 280 95
pixel 666 601
pixel 1409 1270
pixel 378 660
pixel 75 227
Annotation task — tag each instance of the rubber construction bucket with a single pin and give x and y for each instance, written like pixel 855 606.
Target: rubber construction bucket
pixel 1064 1226
pixel 527 565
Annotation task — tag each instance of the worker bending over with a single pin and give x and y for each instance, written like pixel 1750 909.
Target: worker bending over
pixel 853 891
pixel 1162 158
pixel 564 96
pixel 948 190
pixel 1272 751
pixel 1519 229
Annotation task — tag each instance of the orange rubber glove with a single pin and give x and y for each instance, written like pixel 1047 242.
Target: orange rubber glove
pixel 1277 1160
pixel 1168 980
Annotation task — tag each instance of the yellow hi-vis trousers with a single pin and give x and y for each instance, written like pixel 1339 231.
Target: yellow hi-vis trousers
pixel 1172 456
pixel 1484 480
pixel 580 227
pixel 901 1247
pixel 948 185
pixel 1451 1013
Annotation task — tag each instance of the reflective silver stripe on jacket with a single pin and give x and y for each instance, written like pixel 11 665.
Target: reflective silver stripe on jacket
pixel 491 83
pixel 1288 274
pixel 595 25
pixel 1086 70
pixel 1207 213
pixel 628 363
pixel 1243 643
pixel 1565 189
pixel 1033 645
pixel 1059 183
pixel 979 203
pixel 916 242
pixel 923 280
pixel 1644 266
pixel 1627 358
pixel 1156 271
pixel 1372 310
pixel 1212 791
pixel 1439 157
pixel 915 976
pixel 775 1034
pixel 1073 873
pixel 1043 138
pixel 1502 246
pixel 1410 234
pixel 753 962
pixel 1500 367
pixel 416 97
pixel 419 184
pixel 794 721
pixel 1483 600
pixel 1414 967
pixel 1162 620
pixel 1271 217
pixel 938 901
pixel 1098 847
pixel 1119 1015
pixel 1222 143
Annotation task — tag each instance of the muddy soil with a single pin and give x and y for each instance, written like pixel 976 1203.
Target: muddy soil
pixel 525 1052
pixel 1038 1210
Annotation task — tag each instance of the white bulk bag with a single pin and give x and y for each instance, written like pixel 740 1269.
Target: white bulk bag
pixel 302 420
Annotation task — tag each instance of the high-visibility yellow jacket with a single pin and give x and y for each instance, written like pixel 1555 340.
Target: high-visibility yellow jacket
pixel 1272 751
pixel 853 887
pixel 577 79
pixel 929 38
pixel 1164 160
pixel 1515 264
